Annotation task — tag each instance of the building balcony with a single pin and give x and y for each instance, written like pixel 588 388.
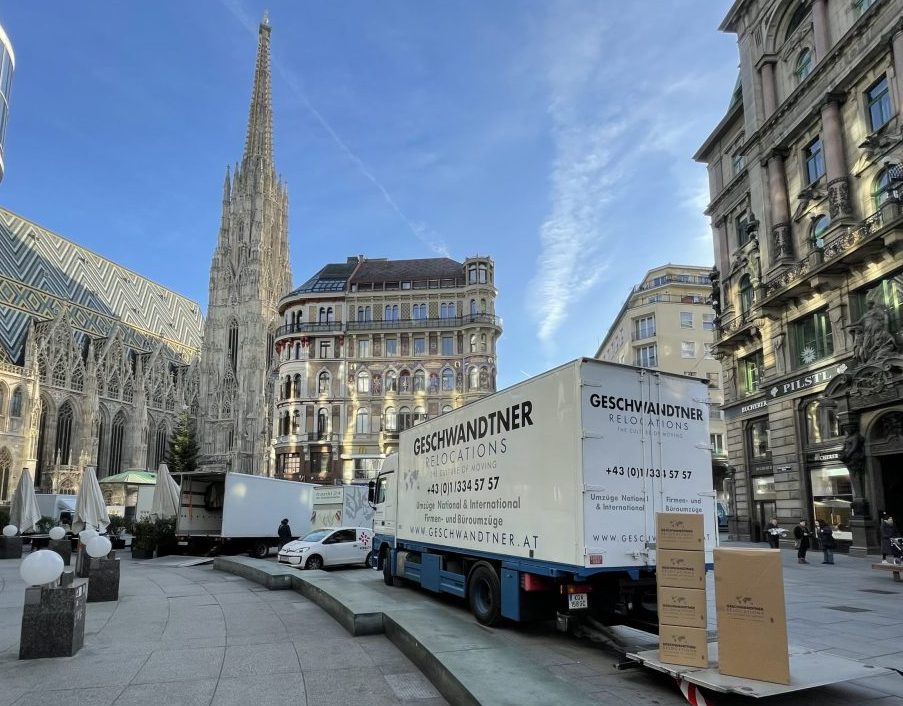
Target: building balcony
pixel 445 322
pixel 738 329
pixel 311 328
pixel 691 280
pixel 826 268
pixel 642 336
pixel 307 437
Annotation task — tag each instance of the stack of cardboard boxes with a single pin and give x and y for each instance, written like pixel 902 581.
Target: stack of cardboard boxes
pixel 680 559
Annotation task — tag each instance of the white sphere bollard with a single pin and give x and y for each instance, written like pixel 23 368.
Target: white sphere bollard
pixel 57 533
pixel 99 547
pixel 10 531
pixel 40 567
pixel 86 535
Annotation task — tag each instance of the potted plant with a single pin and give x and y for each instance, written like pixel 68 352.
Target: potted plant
pixel 166 536
pixel 118 525
pixel 145 539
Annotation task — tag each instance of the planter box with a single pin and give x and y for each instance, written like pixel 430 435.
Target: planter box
pixel 142 553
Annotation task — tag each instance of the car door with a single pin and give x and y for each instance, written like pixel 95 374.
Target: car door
pixel 340 547
pixel 363 545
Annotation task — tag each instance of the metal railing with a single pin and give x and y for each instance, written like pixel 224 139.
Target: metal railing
pixel 442 322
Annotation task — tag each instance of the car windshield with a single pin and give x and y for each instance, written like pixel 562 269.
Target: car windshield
pixel 316 536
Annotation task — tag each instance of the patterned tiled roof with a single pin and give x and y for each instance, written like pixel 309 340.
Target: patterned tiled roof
pixel 41 273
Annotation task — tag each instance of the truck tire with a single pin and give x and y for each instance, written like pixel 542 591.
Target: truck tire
pixel 259 549
pixel 388 578
pixel 314 562
pixel 484 594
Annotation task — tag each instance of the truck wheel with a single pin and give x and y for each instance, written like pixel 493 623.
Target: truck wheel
pixel 388 578
pixel 314 562
pixel 259 549
pixel 484 593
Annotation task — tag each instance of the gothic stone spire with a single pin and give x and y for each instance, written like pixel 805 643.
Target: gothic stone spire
pixel 259 140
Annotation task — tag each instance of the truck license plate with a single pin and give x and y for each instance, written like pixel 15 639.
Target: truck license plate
pixel 182 544
pixel 576 601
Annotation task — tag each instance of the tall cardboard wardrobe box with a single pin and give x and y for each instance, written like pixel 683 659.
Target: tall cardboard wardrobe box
pixel 752 618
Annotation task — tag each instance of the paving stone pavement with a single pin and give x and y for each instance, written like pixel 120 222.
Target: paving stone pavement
pixel 194 636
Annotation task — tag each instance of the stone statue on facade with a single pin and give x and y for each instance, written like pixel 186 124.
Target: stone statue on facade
pixel 853 456
pixel 872 339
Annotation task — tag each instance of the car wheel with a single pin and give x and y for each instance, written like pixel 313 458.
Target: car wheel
pixel 314 562
pixel 260 549
pixel 484 594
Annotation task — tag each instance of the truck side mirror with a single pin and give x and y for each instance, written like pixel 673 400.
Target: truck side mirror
pixel 371 491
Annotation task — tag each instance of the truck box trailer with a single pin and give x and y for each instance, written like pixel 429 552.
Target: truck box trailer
pixel 540 500
pixel 236 512
pixel 341 506
pixel 60 507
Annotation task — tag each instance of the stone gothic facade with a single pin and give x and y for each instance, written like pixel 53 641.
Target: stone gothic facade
pixel 97 362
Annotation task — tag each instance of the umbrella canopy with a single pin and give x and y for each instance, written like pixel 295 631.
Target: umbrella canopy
pixel 90 508
pixel 166 494
pixel 24 512
pixel 133 477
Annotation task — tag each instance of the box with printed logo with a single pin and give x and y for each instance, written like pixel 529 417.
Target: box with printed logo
pixel 679 530
pixel 679 568
pixel 682 606
pixel 752 617
pixel 680 645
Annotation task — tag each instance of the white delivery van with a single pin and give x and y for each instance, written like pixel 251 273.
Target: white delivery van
pixel 341 505
pixel 540 500
pixel 238 512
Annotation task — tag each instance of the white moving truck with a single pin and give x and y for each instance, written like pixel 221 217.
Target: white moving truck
pixel 341 506
pixel 540 500
pixel 60 507
pixel 236 512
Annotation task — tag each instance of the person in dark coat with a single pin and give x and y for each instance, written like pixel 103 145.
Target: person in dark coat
pixel 826 539
pixel 801 535
pixel 888 532
pixel 285 533
pixel 773 533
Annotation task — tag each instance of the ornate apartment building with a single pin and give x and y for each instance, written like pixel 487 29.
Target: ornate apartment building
pixel 370 347
pixel 805 179
pixel 667 323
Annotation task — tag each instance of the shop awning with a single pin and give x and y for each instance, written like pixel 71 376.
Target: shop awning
pixel 132 477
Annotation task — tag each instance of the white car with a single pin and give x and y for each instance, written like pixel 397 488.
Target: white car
pixel 333 546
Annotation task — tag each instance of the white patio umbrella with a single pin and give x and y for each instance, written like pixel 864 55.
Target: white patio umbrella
pixel 90 508
pixel 166 494
pixel 24 512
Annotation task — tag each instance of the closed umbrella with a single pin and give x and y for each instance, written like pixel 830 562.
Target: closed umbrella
pixel 90 508
pixel 166 494
pixel 24 512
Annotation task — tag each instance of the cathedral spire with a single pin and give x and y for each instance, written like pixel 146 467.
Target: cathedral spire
pixel 259 141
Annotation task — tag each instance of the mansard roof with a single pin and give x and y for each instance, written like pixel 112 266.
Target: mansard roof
pixel 401 270
pixel 41 273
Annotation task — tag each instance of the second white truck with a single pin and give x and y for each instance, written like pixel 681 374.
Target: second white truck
pixel 237 512
pixel 341 506
pixel 540 500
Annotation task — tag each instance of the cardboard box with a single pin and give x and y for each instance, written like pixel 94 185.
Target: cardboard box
pixel 679 530
pixel 679 568
pixel 680 645
pixel 752 618
pixel 682 606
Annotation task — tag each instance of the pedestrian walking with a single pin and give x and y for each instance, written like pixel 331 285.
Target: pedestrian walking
pixel 773 533
pixel 801 535
pixel 888 532
pixel 285 533
pixel 826 539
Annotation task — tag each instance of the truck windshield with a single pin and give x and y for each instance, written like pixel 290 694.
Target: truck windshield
pixel 316 536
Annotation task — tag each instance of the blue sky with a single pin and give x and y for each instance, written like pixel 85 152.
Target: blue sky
pixel 555 136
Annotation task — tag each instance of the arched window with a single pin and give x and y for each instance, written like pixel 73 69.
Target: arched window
pixel 404 419
pixel 395 312
pixel 473 343
pixel 482 306
pixel 419 381
pixel 803 65
pixel 433 383
pixel 297 350
pixel 2 402
pixel 322 424
pixel 822 423
pixel 116 439
pixel 484 378
pixel 747 296
pixel 448 380
pixel 233 345
pixel 160 444
pixel 390 420
pixel 419 415
pixel 362 421
pixel 796 19
pixel 819 226
pixel 6 465
pixel 363 382
pixel 391 381
pixel 473 307
pixel 296 422
pixel 882 191
pixel 15 403
pixel 482 343
pixel 405 381
pixel 473 381
pixel 446 408
pixel 323 383
pixel 296 385
pixel 64 434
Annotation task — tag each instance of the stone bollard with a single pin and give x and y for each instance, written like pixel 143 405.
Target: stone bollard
pixel 53 619
pixel 63 547
pixel 103 578
pixel 10 547
pixel 82 562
